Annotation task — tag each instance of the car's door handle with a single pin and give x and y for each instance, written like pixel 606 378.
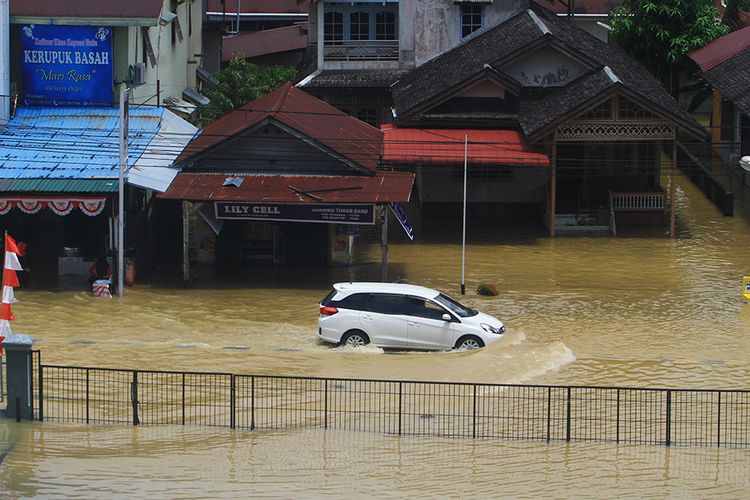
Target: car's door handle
pixel 411 323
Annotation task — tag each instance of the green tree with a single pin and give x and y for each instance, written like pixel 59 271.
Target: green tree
pixel 660 33
pixel 241 82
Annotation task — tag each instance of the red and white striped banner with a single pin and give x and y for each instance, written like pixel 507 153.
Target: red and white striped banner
pixel 60 206
pixel 11 264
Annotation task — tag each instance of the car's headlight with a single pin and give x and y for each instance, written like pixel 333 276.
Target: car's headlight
pixel 492 329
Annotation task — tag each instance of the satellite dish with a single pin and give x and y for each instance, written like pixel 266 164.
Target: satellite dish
pixel 745 163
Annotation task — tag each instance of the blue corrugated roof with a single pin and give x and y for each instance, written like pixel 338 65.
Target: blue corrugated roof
pixel 72 143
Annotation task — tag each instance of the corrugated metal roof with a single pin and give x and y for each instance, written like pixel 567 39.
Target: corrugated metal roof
pixel 443 146
pixel 595 7
pixel 86 8
pixel 83 143
pixel 259 43
pixel 383 187
pixel 259 6
pixel 58 185
pixel 357 142
pixel 721 49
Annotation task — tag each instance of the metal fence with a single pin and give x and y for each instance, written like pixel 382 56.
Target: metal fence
pixel 499 411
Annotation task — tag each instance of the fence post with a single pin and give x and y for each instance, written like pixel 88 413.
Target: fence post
pixel 41 386
pixel 474 415
pixel 718 422
pixel 232 404
pixel 252 403
pixel 617 435
pixel 567 423
pixel 400 392
pixel 325 405
pixel 134 397
pixel 669 419
pixel 549 411
pixel 19 381
pixel 88 396
pixel 183 398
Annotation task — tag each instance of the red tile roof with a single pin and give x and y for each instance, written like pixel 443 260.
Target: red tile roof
pixel 260 6
pixel 721 49
pixel 599 7
pixel 148 9
pixel 357 142
pixel 259 43
pixel 383 187
pixel 442 146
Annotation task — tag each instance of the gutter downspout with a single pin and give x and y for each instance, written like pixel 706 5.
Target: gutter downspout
pixel 4 62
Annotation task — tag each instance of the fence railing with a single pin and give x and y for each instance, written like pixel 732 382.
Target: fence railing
pixel 499 411
pixel 639 202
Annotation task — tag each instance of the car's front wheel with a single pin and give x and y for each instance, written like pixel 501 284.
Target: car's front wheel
pixel 468 343
pixel 355 338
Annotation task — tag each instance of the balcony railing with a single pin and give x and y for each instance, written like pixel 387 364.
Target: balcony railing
pixel 640 202
pixel 361 50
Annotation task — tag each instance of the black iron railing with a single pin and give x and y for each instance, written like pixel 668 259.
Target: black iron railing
pixel 499 411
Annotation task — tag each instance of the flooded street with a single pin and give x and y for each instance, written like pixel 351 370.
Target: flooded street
pixel 639 310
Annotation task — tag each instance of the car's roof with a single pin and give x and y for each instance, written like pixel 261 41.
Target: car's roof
pixel 374 287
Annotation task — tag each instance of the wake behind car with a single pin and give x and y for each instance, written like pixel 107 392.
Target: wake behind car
pixel 399 316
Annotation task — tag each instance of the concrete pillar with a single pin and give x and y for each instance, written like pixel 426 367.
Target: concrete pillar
pixel 19 372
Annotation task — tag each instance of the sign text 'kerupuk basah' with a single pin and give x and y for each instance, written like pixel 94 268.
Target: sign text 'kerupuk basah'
pixel 67 65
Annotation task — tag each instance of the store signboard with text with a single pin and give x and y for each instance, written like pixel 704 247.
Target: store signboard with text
pixel 66 66
pixel 325 213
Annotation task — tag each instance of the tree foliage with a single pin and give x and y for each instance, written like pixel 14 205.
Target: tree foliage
pixel 240 83
pixel 660 33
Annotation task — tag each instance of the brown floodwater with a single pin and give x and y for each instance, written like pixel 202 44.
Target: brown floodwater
pixel 639 310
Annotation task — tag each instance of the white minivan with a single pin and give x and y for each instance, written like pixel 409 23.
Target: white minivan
pixel 398 316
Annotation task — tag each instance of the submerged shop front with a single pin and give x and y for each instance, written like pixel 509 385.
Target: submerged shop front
pixel 236 223
pixel 285 180
pixel 59 171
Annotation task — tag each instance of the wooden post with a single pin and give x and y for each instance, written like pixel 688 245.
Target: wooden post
pixel 553 188
pixel 672 207
pixel 384 245
pixel 185 242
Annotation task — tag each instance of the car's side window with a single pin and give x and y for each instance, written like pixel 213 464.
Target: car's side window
pixel 386 303
pixel 424 308
pixel 356 301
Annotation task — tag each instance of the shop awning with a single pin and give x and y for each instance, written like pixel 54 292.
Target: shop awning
pixel 446 146
pixel 298 189
pixel 73 144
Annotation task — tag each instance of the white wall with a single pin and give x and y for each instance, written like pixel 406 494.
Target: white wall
pixel 176 61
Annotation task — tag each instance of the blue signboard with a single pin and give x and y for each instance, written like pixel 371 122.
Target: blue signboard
pixel 67 65
pixel 398 211
pixel 339 213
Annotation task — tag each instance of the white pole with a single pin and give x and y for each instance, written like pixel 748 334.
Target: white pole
pixel 4 62
pixel 124 94
pixel 463 239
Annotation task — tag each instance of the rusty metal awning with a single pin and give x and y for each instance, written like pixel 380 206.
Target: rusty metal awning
pixel 383 187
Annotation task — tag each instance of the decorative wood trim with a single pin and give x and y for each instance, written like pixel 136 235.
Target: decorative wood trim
pixel 615 131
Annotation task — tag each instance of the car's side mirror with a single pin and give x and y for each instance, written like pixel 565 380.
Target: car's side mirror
pixel 447 317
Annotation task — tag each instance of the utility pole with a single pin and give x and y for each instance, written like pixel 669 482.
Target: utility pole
pixel 4 62
pixel 463 239
pixel 124 105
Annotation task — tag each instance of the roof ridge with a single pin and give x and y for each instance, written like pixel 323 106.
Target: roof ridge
pixel 278 105
pixel 540 24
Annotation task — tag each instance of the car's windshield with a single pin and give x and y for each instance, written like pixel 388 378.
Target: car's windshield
pixel 455 306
